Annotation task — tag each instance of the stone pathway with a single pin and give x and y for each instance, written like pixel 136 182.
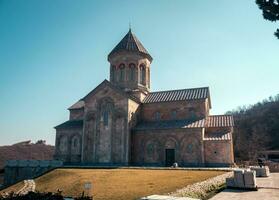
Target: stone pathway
pixel 162 197
pixel 29 186
pixel 268 190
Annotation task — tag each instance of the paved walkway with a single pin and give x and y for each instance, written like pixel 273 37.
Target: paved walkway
pixel 268 190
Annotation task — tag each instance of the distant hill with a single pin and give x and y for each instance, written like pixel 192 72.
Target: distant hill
pixel 26 151
pixel 256 128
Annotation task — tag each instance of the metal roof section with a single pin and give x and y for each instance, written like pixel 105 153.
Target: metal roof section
pixel 177 95
pixel 70 124
pixel 130 43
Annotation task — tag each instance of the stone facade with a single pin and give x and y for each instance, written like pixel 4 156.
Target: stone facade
pixel 121 122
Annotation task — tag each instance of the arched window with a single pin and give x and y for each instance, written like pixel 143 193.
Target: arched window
pixel 148 77
pixel 122 72
pixel 192 114
pixel 142 74
pixel 105 117
pixel 75 143
pixel 63 145
pixel 157 115
pixel 113 73
pixel 173 114
pixel 132 72
pixel 150 149
pixel 190 148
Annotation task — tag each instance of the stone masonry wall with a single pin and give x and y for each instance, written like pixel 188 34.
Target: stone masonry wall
pixel 68 145
pixel 126 58
pixel 106 144
pixel 76 114
pixel 149 146
pixel 218 152
pixel 184 110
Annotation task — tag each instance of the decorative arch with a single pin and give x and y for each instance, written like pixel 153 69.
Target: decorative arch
pixel 142 74
pixel 113 73
pixel 148 77
pixel 132 71
pixel 151 151
pixel 63 144
pixel 173 114
pixel 106 107
pixel 171 143
pixel 157 115
pixel 76 144
pixel 122 72
pixel 190 150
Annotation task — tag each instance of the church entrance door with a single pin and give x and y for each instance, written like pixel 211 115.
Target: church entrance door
pixel 170 157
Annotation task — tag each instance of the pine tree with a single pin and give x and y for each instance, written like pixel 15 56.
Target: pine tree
pixel 270 10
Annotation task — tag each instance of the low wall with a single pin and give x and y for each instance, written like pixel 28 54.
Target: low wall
pixel 18 170
pixel 273 166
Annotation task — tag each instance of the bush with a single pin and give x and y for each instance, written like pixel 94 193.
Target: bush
pixel 40 196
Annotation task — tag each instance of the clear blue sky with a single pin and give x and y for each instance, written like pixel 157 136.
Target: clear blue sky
pixel 54 52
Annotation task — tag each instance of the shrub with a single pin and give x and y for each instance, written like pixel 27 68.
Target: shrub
pixel 40 196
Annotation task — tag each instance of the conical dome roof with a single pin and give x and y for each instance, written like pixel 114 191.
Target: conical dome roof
pixel 130 43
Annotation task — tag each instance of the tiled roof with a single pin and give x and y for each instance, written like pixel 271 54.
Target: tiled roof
pixel 177 95
pixel 167 125
pixel 80 104
pixel 220 121
pixel 211 121
pixel 77 105
pixel 130 43
pixel 217 136
pixel 114 87
pixel 70 124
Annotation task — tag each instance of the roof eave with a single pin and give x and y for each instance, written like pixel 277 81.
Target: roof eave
pixel 112 53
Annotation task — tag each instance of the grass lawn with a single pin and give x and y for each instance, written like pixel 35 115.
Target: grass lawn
pixel 119 184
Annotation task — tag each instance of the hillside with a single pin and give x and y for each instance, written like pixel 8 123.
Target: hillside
pixel 256 128
pixel 26 151
pixel 118 184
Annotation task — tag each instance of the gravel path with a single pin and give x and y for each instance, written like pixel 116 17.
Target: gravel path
pixel 29 186
pixel 200 189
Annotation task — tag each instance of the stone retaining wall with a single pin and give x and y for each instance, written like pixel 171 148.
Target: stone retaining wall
pixel 18 170
pixel 200 189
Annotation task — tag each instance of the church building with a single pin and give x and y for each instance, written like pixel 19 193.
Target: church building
pixel 121 122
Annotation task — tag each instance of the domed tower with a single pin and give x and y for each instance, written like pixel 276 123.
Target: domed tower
pixel 130 66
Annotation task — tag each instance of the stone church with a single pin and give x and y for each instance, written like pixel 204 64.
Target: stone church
pixel 121 122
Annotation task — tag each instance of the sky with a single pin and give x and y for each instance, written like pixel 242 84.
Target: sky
pixel 53 52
